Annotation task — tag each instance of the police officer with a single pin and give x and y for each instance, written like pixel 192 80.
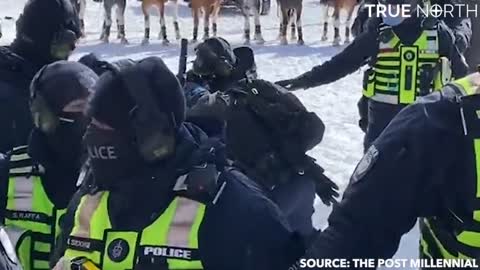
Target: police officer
pixel 38 180
pixel 216 68
pixel 163 198
pixel 250 143
pixel 406 58
pixel 46 31
pixel 425 164
pixel 460 24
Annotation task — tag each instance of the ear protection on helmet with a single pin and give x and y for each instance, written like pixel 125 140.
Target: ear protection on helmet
pixel 154 130
pixel 43 118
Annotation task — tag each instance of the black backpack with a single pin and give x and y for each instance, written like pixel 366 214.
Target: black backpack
pixel 269 129
pixel 277 113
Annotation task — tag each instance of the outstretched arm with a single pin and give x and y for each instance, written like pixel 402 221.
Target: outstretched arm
pixel 342 64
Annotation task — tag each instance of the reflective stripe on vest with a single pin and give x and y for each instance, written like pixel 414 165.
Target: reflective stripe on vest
pixel 29 208
pixel 170 242
pixel 436 240
pixel 395 76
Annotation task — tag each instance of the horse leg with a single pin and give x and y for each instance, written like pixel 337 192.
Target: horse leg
pixel 246 26
pixel 146 20
pixel 347 24
pixel 206 21
pixel 107 22
pixel 163 28
pixel 258 27
pixel 299 26
pixel 216 10
pixel 81 15
pixel 336 26
pixel 175 20
pixel 121 5
pixel 325 21
pixel 291 22
pixel 283 30
pixel 195 14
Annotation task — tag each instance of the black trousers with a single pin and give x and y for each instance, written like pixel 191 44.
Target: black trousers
pixel 379 116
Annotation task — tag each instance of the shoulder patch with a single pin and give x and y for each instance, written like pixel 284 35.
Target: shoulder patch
pixel 365 164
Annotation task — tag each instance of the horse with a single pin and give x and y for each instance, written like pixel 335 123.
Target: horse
pixel 338 6
pixel 107 23
pixel 248 7
pixel 209 8
pixel 291 12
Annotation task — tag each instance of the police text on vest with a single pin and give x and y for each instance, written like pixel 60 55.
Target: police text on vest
pixel 169 252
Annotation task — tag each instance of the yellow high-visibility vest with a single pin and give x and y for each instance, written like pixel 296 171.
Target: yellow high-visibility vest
pixel 30 215
pixel 463 243
pixel 395 77
pixel 171 241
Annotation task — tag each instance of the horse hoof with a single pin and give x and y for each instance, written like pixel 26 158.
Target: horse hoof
pixel 104 40
pixel 246 42
pixel 283 41
pixel 145 42
pixel 178 37
pixel 301 42
pixel 324 38
pixel 347 41
pixel 165 42
pixel 123 41
pixel 193 41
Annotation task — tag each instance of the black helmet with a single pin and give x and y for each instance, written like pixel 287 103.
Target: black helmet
pixel 145 103
pixel 55 86
pixel 50 26
pixel 214 56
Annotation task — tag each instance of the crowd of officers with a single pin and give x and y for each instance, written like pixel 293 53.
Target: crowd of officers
pixel 126 165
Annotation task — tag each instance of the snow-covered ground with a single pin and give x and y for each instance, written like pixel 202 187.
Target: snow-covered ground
pixel 335 103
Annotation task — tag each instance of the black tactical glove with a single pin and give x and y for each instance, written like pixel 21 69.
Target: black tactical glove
pixel 292 84
pixel 325 188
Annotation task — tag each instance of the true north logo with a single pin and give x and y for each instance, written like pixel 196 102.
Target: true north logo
pixel 169 252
